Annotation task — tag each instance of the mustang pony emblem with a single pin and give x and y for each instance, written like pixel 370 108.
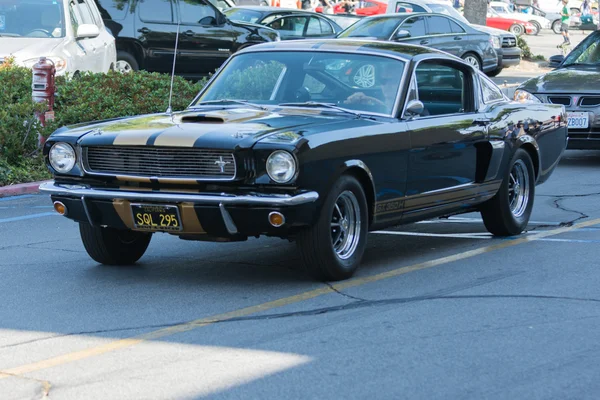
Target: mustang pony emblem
pixel 222 163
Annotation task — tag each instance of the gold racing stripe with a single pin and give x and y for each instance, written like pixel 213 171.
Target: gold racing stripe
pixel 189 219
pixel 133 179
pixel 133 138
pixel 124 211
pixel 183 138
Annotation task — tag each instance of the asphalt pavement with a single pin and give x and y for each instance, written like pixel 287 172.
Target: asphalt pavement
pixel 438 310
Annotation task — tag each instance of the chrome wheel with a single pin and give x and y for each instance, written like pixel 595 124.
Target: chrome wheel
pixel 516 30
pixel 518 188
pixel 345 225
pixel 473 60
pixel 123 67
pixel 365 76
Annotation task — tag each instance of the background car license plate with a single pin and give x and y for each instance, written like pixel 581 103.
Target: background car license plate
pixel 578 120
pixel 156 217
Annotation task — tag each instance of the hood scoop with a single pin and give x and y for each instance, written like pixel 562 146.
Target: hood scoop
pixel 202 118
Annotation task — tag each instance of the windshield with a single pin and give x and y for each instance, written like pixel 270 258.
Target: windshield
pixel 240 14
pixel 587 52
pixel 31 18
pixel 448 10
pixel 357 82
pixel 380 28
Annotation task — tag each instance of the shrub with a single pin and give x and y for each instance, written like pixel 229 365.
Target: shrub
pixel 525 50
pixel 88 97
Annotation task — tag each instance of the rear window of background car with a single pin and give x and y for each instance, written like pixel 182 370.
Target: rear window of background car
pixel 113 9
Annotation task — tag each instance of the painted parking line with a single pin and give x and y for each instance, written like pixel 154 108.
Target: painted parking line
pixel 13 198
pixel 285 301
pixel 467 220
pixel 29 216
pixel 486 236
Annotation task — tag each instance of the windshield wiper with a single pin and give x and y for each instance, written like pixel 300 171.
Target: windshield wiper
pixel 326 105
pixel 224 101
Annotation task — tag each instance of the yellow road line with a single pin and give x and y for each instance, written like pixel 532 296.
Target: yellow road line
pixel 188 326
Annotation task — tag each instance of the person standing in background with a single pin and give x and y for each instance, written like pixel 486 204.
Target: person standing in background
pixel 565 15
pixel 327 6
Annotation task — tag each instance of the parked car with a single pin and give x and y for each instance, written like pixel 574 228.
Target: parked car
pixel 70 34
pixel 145 35
pixel 281 142
pixel 438 31
pixel 509 54
pixel 344 20
pixel 573 84
pixel 537 21
pixel 513 25
pixel 365 8
pixel 289 23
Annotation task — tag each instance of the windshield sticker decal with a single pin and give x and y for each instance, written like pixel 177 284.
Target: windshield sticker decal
pixel 2 22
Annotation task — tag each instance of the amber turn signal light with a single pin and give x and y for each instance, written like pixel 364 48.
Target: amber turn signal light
pixel 276 219
pixel 60 208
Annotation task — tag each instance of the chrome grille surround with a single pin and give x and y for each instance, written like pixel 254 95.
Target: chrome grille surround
pixel 508 42
pixel 160 162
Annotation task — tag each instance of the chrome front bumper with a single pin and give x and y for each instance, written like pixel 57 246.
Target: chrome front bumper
pixel 275 200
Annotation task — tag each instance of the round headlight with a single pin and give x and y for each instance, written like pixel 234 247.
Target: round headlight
pixel 62 157
pixel 281 166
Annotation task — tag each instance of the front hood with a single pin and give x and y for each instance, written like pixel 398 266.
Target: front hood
pixel 221 129
pixel 565 80
pixel 27 48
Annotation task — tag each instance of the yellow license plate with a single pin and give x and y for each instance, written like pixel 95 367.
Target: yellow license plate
pixel 156 217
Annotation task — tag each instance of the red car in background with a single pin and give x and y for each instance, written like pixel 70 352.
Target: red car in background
pixel 514 26
pixel 365 8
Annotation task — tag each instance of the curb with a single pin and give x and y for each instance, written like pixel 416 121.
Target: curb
pixel 21 188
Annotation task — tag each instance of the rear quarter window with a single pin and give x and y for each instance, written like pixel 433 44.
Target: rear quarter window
pixel 113 9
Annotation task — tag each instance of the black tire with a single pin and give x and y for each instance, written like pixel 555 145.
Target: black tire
pixel 516 29
pixel 498 216
pixel 556 27
pixel 474 60
pixel 538 27
pixel 316 244
pixel 494 73
pixel 112 246
pixel 125 59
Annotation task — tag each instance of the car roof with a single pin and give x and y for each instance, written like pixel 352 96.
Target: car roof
pixel 384 48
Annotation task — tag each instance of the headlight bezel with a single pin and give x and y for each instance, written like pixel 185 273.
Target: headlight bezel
pixel 54 163
pixel 288 157
pixel 496 41
pixel 523 96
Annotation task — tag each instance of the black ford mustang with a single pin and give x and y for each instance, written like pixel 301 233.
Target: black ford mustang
pixel 284 142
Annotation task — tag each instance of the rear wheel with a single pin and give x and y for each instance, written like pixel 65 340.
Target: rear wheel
pixel 332 249
pixel 516 29
pixel 126 63
pixel 537 27
pixel 508 212
pixel 495 72
pixel 556 27
pixel 113 246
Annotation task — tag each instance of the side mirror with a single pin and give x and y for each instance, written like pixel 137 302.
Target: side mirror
pixel 414 107
pixel 401 34
pixel 210 20
pixel 556 60
pixel 85 31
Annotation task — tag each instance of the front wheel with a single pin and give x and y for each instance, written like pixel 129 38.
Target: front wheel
pixel 508 212
pixel 333 248
pixel 113 246
pixel 473 60
pixel 556 27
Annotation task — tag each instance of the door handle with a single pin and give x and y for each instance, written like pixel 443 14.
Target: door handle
pixel 482 121
pixel 457 38
pixel 425 41
pixel 144 31
pixel 188 33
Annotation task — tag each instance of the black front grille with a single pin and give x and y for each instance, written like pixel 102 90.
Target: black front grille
pixel 165 162
pixel 590 101
pixel 508 42
pixel 564 100
pixel 588 133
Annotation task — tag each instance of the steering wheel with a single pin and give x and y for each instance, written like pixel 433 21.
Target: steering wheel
pixel 48 34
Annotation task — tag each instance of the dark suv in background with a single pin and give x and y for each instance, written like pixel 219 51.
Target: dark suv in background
pixel 145 32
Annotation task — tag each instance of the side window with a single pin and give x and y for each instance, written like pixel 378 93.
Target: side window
pixel 270 18
pixel 489 91
pixel 442 89
pixel 193 11
pixel 416 26
pixel 82 12
pixel 402 7
pixel 314 27
pixel 456 28
pixel 326 28
pixel 75 19
pixel 289 26
pixel 110 9
pixel 91 6
pixel 438 25
pixel 155 10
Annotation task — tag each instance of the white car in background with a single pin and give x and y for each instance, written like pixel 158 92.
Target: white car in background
pixel 503 9
pixel 70 33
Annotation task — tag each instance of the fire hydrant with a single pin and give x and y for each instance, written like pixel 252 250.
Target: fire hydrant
pixel 43 89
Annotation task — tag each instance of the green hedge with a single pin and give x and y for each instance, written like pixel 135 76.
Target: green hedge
pixel 89 97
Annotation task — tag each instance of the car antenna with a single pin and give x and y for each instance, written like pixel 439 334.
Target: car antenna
pixel 169 109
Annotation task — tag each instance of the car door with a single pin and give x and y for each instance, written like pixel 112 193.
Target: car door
pixel 416 28
pixel 290 27
pixel 444 140
pixel 106 42
pixel 92 50
pixel 204 40
pixel 157 31
pixel 445 34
